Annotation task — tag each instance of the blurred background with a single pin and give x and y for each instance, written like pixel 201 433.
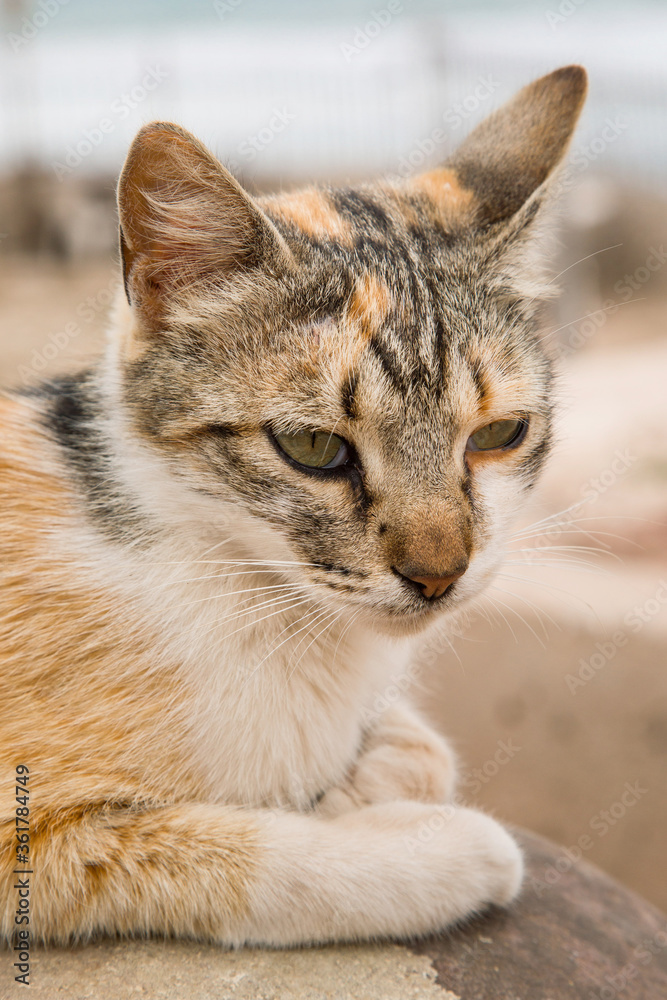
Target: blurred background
pixel 555 691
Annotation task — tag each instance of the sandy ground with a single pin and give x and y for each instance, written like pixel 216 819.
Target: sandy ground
pixel 556 692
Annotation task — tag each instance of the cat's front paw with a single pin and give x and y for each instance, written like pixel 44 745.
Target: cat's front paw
pixel 497 858
pixel 402 759
pixel 460 860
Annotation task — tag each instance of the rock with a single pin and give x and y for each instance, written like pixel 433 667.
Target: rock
pixel 574 934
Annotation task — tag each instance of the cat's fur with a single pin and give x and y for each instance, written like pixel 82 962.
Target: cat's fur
pixel 199 760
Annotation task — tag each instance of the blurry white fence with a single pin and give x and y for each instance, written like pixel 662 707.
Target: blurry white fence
pixel 386 93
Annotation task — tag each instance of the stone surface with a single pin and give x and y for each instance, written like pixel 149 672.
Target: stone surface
pixel 180 970
pixel 574 934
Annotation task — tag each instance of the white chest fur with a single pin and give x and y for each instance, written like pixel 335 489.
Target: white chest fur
pixel 281 727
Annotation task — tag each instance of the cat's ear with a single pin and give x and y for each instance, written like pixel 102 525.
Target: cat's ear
pixel 514 151
pixel 184 221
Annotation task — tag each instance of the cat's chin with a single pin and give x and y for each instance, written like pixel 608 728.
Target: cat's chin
pixel 402 624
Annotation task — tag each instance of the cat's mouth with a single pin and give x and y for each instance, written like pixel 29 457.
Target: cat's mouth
pixel 392 601
pixel 404 613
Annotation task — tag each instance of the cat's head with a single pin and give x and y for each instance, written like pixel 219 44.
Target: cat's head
pixel 356 375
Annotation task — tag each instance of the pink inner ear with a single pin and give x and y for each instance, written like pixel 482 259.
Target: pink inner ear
pixel 183 217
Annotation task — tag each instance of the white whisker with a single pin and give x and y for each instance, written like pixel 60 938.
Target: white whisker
pixel 614 246
pixel 278 610
pixel 519 616
pixel 335 615
pixel 274 648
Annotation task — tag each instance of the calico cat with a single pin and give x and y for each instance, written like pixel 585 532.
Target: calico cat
pixel 317 418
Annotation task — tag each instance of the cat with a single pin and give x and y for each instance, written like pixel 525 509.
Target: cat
pixel 317 418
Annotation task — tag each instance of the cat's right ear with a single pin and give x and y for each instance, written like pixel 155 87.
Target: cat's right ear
pixel 186 222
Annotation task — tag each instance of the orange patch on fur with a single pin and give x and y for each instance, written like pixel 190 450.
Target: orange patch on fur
pixel 312 211
pixel 370 304
pixel 64 635
pixel 442 187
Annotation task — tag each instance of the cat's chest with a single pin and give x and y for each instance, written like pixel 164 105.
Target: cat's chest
pixel 280 733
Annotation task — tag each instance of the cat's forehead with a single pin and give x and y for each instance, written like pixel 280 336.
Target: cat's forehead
pixel 383 259
pixel 398 286
pixel 395 316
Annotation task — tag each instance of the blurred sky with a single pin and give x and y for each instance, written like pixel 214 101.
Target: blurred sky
pixel 325 88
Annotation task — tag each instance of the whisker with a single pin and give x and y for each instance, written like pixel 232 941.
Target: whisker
pixel 235 593
pixel 265 617
pixel 628 302
pixel 531 604
pixel 551 517
pixel 278 610
pixel 492 599
pixel 234 562
pixel 549 586
pixel 349 625
pixel 582 259
pixel 214 576
pixel 274 648
pixel 519 616
pixel 562 548
pixel 553 559
pixel 335 615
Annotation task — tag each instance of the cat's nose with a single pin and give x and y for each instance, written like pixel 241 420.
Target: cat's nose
pixel 430 587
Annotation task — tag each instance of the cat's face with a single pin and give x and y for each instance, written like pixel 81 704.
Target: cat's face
pixel 358 373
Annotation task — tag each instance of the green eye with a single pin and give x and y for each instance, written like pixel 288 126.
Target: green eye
pixel 499 434
pixel 315 449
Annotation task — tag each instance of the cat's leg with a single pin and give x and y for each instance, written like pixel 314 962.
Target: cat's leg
pixel 401 758
pixel 258 877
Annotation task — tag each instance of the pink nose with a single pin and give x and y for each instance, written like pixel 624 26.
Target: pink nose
pixel 431 586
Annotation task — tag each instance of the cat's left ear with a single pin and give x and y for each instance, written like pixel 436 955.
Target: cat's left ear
pixel 185 220
pixel 501 171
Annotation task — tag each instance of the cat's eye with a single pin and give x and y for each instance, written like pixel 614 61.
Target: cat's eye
pixel 315 449
pixel 498 434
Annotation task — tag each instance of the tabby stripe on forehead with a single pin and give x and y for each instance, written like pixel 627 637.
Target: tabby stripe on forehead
pixel 360 206
pixel 478 375
pixel 391 365
pixel 348 396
